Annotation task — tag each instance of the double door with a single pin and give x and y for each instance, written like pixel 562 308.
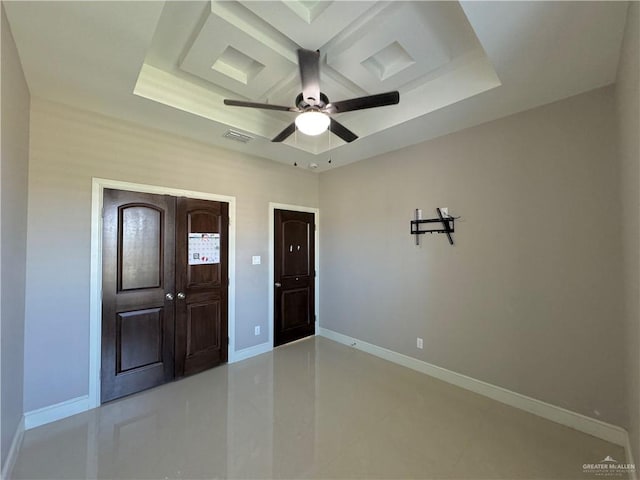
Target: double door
pixel 164 289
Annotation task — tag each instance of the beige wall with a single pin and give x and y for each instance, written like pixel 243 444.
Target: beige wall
pixel 628 111
pixel 14 142
pixel 529 297
pixel 68 148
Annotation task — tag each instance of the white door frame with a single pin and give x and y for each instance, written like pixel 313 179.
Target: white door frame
pixel 295 208
pixel 95 303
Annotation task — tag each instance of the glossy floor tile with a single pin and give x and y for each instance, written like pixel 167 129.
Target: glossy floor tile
pixel 313 409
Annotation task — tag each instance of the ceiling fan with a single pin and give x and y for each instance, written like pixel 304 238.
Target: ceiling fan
pixel 314 106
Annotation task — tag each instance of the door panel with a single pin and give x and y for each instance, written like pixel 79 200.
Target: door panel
pixel 139 339
pixel 295 308
pixel 201 316
pixel 141 237
pixel 138 272
pixel 200 337
pixel 294 260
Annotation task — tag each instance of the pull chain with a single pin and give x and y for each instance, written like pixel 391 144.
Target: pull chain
pixel 329 143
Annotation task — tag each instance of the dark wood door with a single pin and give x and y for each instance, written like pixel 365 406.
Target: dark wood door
pixel 294 261
pixel 202 281
pixel 138 280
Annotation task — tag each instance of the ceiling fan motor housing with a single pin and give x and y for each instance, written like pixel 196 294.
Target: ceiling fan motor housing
pixel 303 105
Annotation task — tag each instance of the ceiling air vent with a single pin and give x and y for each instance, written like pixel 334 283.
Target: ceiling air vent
pixel 237 136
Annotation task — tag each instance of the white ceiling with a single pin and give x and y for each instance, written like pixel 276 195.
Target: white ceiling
pixel 169 65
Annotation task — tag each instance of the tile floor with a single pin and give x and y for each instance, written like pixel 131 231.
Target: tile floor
pixel 313 409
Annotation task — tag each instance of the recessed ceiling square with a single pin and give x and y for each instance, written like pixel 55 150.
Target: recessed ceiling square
pixel 389 61
pixel 307 10
pixel 399 46
pixel 234 51
pixel 236 65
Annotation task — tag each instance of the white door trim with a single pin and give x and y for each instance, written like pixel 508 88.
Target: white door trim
pixel 95 303
pixel 295 208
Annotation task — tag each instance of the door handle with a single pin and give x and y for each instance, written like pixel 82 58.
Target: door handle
pixel 169 296
pixel 181 296
pixel 278 284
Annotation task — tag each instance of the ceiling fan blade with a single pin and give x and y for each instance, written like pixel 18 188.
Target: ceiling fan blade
pixel 371 101
pixel 266 106
pixel 309 63
pixel 282 136
pixel 343 132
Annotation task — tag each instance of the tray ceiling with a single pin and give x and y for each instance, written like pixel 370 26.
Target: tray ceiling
pixel 248 51
pixel 169 65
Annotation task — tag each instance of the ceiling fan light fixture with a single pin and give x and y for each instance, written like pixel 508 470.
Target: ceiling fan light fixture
pixel 312 123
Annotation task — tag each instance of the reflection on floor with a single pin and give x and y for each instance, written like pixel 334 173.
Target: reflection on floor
pixel 313 409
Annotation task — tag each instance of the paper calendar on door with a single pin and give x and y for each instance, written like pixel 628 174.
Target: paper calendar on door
pixel 204 248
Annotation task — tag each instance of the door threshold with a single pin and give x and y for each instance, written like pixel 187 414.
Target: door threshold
pixel 293 342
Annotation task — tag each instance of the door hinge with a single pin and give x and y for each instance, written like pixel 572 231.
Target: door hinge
pixel 314 274
pixel 227 340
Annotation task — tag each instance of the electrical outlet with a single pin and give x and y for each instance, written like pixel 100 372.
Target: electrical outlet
pixel 256 260
pixel 419 343
pixel 256 330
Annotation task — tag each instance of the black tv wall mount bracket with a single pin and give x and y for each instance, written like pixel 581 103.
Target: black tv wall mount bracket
pixel 446 225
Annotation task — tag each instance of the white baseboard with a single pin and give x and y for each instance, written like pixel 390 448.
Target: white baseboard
pixel 251 352
pixel 577 421
pixel 61 410
pixel 16 443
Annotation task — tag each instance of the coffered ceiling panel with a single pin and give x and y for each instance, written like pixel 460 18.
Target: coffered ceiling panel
pixel 400 48
pixel 310 24
pixel 225 55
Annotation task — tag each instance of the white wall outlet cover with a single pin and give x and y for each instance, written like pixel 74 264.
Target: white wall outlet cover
pixel 256 260
pixel 419 342
pixel 256 330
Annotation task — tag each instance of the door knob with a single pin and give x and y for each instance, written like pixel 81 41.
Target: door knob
pixel 169 296
pixel 181 296
pixel 278 284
